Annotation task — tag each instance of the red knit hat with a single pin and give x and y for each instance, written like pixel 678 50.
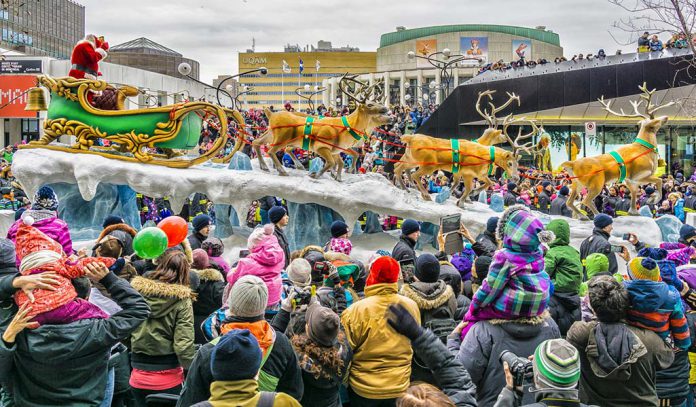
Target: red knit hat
pixel 383 270
pixel 30 240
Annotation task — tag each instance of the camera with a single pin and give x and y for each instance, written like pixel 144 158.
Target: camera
pixel 520 368
pixel 321 268
pixel 303 296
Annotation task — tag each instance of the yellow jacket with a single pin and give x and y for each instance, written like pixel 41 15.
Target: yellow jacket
pixel 381 366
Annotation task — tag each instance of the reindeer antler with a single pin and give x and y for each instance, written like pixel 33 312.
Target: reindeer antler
pixel 490 119
pixel 650 108
pixel 490 116
pixel 360 96
pixel 516 147
pixel 645 97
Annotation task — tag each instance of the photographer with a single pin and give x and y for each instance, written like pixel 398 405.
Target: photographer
pixel 556 367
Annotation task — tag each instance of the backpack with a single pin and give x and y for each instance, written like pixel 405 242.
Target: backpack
pixel 439 320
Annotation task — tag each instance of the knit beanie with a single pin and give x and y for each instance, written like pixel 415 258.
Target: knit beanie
pixel 383 270
pixel 322 325
pixel 564 191
pixel 649 191
pixel 556 364
pixel 686 232
pixel 643 268
pixel 200 260
pixel 213 246
pixel 667 268
pixel 240 346
pixel 112 220
pixel 45 198
pixel 248 297
pixel 201 221
pixel 511 186
pixel 482 264
pixel 427 268
pixel 546 184
pixel 276 213
pixel 258 235
pixel 338 228
pixel 602 220
pixel 492 223
pixel 300 272
pixel 596 263
pixel 409 226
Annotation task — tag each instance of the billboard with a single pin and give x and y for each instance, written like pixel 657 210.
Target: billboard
pixel 423 49
pixel 521 49
pixel 474 47
pixel 11 89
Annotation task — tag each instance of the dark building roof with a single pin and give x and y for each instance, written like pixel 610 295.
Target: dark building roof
pixel 144 45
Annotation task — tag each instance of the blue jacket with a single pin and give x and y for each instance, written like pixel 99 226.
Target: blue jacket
pixel 679 210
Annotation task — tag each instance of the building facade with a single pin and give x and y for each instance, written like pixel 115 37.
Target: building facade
pixel 42 28
pixel 279 85
pixel 411 79
pixel 143 53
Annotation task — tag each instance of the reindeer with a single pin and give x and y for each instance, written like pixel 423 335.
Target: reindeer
pixel 328 136
pixel 492 135
pixel 638 160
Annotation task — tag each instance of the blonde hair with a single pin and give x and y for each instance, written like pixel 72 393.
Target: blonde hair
pixel 424 395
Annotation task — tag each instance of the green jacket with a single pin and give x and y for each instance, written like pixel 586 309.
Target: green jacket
pixel 169 329
pixel 562 261
pixel 66 365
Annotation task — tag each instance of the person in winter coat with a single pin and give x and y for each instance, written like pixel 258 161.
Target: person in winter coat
pixel 339 242
pixel 437 305
pixel 544 197
pixel 562 263
pixel 381 367
pixel 610 202
pixel 116 228
pixel 454 385
pixel 265 205
pixel 214 248
pixel 67 364
pixel 279 218
pixel 559 205
pixel 163 346
pixel 599 241
pixel 208 293
pixel 556 374
pixel 405 248
pixel 265 261
pixel 44 212
pixel 279 372
pixel 451 277
pixel 687 234
pixel 615 355
pixel 511 197
pixel 486 243
pixel 236 384
pixel 201 229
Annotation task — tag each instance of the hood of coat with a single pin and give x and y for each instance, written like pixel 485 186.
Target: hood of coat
pixel 7 253
pixel 651 296
pixel 523 328
pixel 268 252
pixel 612 349
pixel 209 275
pixel 570 301
pixel 561 229
pixel 123 233
pixel 161 297
pixel 428 295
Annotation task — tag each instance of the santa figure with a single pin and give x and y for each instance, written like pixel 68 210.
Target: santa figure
pixel 86 56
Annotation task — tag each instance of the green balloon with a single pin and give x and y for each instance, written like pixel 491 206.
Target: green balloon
pixel 150 243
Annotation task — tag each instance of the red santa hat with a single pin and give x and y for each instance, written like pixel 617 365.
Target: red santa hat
pixel 31 241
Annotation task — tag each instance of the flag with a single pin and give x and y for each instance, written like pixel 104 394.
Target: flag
pixel 301 65
pixel 317 65
pixel 286 67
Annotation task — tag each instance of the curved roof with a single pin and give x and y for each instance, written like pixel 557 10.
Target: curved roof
pixel 405 35
pixel 144 44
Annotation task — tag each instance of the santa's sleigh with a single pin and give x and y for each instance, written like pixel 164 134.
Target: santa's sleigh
pixel 150 135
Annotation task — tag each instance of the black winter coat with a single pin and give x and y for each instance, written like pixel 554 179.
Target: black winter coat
pixel 208 299
pixel 283 242
pixel 510 199
pixel 544 202
pixel 599 243
pixel 486 244
pixel 559 206
pixel 404 249
pixel 565 310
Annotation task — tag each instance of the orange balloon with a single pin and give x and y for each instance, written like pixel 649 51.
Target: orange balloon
pixel 176 229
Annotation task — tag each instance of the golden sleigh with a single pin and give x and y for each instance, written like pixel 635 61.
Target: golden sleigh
pixel 134 135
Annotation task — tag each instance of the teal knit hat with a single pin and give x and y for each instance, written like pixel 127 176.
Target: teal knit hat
pixel 556 365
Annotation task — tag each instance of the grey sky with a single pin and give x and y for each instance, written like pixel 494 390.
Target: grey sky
pixel 213 31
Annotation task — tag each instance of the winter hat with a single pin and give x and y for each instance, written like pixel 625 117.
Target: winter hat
pixel 30 241
pixel 322 325
pixel 45 198
pixel 520 231
pixel 258 235
pixel 492 223
pixel 112 220
pixel 300 272
pixel 409 226
pixel 213 246
pixel 687 232
pixel 383 270
pixel 201 221
pixel 427 268
pixel 248 297
pixel 200 260
pixel 649 191
pixel 602 220
pixel 556 364
pixel 511 186
pixel 643 268
pixel 546 184
pixel 668 268
pixel 482 264
pixel 463 261
pixel 276 213
pixel 596 263
pixel 338 228
pixel 242 347
pixel 564 191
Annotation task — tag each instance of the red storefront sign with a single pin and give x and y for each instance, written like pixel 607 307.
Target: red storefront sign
pixel 12 101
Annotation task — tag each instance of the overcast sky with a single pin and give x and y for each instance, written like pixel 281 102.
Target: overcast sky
pixel 214 31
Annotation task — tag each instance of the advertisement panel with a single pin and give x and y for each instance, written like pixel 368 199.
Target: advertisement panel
pixel 12 99
pixel 423 49
pixel 521 49
pixel 474 47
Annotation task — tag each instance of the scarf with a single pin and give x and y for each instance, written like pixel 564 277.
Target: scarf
pixel 37 259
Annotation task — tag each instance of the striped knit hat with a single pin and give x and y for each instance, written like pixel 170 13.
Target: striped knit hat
pixel 556 364
pixel 643 268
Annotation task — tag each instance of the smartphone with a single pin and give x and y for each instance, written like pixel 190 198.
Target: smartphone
pixel 243 253
pixel 617 248
pixel 626 236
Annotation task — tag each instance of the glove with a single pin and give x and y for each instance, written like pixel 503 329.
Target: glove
pixel 287 303
pixel 403 322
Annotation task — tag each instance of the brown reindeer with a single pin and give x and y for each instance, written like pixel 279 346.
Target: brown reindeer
pixel 493 135
pixel 640 158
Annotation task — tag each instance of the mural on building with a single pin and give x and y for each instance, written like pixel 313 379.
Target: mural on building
pixel 474 46
pixel 423 49
pixel 521 49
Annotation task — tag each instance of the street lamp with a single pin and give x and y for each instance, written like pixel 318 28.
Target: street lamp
pixel 445 66
pixel 307 88
pixel 184 69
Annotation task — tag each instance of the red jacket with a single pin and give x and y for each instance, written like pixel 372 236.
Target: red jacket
pixel 85 60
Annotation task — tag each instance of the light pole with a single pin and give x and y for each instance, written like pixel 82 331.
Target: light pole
pixel 185 70
pixel 246 89
pixel 307 88
pixel 444 65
